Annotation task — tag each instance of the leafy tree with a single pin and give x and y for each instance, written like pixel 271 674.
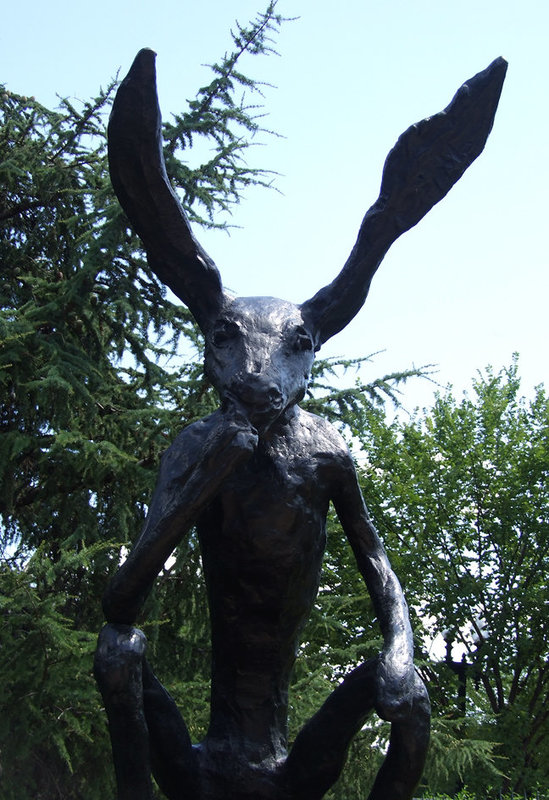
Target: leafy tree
pixel 461 496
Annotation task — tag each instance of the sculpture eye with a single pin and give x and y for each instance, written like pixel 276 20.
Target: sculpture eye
pixel 302 341
pixel 225 331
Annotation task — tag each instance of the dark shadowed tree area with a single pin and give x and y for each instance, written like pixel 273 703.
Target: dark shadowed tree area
pixel 99 371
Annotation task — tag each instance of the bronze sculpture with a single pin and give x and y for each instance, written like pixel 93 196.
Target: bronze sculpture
pixel 256 477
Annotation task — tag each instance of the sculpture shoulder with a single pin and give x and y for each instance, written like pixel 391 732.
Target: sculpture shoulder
pixel 323 438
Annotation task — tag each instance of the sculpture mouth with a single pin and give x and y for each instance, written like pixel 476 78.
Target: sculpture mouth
pixel 259 414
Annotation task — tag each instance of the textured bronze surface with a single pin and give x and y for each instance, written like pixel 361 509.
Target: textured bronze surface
pixel 256 478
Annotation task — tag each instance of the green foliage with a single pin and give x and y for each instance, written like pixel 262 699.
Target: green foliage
pixel 462 499
pixel 227 126
pixel 456 752
pixel 351 407
pixel 51 727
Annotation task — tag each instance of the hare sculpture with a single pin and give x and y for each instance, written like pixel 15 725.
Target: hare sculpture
pixel 256 479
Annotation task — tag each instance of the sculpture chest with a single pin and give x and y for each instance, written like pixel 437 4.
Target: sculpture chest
pixel 262 543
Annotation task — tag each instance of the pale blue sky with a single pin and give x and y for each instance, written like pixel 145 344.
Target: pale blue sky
pixel 465 288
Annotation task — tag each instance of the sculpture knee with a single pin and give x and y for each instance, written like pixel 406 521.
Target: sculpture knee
pixel 118 668
pixel 403 766
pixel 318 755
pixel 118 661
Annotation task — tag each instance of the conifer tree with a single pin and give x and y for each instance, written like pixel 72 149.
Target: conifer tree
pixel 89 400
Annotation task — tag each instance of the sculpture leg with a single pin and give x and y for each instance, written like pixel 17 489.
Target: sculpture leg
pixel 320 750
pixel 173 761
pixel 118 671
pixel 147 731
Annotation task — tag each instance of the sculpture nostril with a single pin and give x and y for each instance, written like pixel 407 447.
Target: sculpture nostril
pixel 275 396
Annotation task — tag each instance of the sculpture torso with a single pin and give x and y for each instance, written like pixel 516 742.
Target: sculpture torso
pixel 262 543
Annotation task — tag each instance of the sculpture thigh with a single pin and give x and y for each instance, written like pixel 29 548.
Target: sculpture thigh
pixel 320 750
pixel 149 735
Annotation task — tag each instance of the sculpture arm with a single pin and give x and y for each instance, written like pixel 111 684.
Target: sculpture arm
pixel 191 473
pixel 395 678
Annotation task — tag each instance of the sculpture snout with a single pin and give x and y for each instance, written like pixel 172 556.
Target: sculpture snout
pixel 257 392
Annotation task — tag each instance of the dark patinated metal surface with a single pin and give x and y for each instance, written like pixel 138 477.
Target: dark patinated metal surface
pixel 256 478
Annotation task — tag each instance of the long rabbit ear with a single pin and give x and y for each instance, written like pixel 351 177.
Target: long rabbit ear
pixel 139 178
pixel 419 171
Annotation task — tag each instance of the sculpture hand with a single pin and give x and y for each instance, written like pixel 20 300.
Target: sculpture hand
pixel 231 443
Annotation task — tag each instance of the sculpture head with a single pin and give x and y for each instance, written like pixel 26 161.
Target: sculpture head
pixel 259 355
pixel 259 351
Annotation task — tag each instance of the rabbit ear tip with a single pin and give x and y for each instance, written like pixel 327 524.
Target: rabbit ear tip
pixel 143 63
pixel 499 63
pixel 420 170
pixel 146 54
